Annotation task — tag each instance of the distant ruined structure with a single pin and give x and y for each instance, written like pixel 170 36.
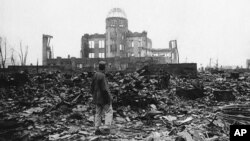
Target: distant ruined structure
pixel 118 46
pixel 47 52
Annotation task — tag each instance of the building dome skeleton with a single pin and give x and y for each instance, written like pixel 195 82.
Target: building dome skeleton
pixel 117 12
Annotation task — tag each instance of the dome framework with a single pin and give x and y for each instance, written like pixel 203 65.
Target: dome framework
pixel 117 12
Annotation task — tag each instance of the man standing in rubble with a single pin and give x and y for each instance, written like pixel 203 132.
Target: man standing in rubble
pixel 102 98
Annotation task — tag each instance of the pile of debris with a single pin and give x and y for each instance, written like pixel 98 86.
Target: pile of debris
pixel 58 106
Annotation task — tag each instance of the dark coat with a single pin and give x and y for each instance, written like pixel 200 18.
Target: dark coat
pixel 100 89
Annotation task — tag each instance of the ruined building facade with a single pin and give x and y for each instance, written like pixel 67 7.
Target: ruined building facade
pixel 118 46
pixel 119 41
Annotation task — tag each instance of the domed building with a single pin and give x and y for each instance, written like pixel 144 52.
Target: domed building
pixel 116 33
pixel 118 41
pixel 118 46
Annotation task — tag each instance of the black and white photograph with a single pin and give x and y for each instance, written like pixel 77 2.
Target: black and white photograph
pixel 124 70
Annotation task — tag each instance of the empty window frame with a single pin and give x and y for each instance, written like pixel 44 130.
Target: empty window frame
pixel 101 55
pixel 101 44
pixel 91 44
pixel 121 47
pixel 91 55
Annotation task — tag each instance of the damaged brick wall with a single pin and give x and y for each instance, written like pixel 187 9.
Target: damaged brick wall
pixel 113 64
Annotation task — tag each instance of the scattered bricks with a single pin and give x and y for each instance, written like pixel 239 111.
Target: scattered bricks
pixel 190 94
pixel 224 95
pixel 68 82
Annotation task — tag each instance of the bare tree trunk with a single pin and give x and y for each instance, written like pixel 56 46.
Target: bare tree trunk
pixel 21 54
pixel 12 58
pixel 5 44
pixel 23 57
pixel 3 56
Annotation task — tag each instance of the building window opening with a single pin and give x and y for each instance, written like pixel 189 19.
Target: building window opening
pixel 79 66
pixel 101 55
pixel 132 43
pixel 91 44
pixel 91 55
pixel 101 44
pixel 121 47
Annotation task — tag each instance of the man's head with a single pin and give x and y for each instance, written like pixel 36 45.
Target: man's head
pixel 102 65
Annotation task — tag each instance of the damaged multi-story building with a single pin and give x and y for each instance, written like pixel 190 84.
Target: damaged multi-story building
pixel 118 46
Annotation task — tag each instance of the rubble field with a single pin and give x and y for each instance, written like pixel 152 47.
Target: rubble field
pixel 58 106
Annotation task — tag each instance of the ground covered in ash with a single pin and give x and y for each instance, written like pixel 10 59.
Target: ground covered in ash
pixel 58 106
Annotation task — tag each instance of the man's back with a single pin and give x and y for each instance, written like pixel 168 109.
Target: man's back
pixel 99 88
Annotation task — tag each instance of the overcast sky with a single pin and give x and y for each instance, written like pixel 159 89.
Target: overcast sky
pixel 217 29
